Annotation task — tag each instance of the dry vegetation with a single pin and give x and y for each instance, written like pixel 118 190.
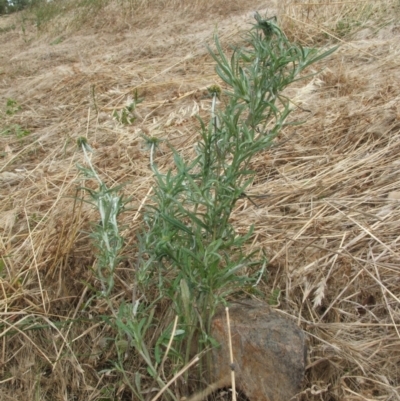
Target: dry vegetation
pixel 329 222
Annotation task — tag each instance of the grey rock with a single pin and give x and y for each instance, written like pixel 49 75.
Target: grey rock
pixel 269 351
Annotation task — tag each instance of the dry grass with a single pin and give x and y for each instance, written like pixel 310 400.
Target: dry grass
pixel 330 222
pixel 313 21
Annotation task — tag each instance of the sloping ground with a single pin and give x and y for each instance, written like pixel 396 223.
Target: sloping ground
pixel 329 220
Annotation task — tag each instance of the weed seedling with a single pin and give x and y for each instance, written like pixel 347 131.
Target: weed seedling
pixel 12 107
pixel 16 130
pixel 127 116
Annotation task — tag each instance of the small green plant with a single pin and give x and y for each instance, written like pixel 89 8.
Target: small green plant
pixel 106 235
pixel 151 143
pixel 16 130
pixel 131 321
pixel 274 297
pixel 127 116
pixel 12 107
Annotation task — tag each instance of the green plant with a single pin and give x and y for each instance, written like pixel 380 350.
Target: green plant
pixel 189 255
pixel 131 321
pixel 151 143
pixel 274 297
pixel 106 236
pixel 194 256
pixel 127 116
pixel 12 107
pixel 16 130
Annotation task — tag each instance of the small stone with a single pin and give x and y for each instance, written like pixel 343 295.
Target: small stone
pixel 269 351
